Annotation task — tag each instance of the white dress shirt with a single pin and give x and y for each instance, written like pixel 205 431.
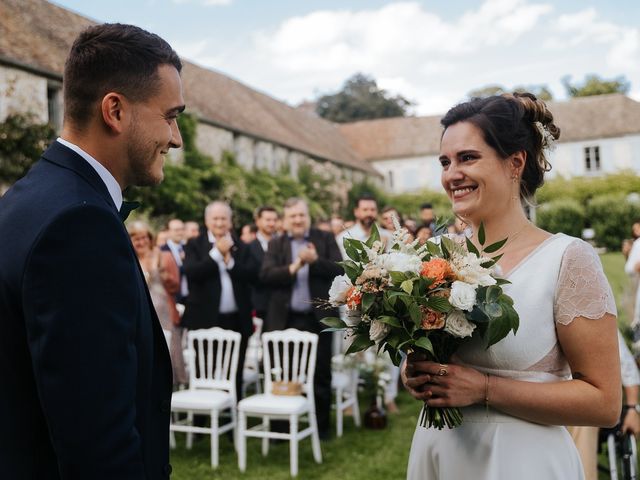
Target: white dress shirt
pixel 264 241
pixel 227 298
pixel 112 185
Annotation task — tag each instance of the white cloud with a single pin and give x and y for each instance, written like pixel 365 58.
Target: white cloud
pixel 586 28
pixel 412 51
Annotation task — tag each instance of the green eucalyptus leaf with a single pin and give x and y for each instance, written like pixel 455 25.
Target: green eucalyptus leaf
pixel 425 344
pixel 374 237
pixel 333 322
pixel 360 342
pixel 481 234
pixel 493 293
pixel 494 247
pixel 393 321
pixel 367 300
pixel 434 249
pixel 471 247
pixel 493 310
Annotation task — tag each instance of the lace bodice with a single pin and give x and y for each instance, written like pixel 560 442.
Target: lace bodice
pixel 562 279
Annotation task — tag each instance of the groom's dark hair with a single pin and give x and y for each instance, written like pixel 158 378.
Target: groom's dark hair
pixel 113 57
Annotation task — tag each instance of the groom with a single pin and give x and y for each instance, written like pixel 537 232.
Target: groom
pixel 86 376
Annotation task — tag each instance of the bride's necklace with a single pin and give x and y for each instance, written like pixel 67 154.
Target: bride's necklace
pixel 511 238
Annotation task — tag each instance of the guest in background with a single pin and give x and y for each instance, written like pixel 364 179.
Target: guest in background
pixel 175 246
pixel 161 238
pixel 386 218
pixel 164 303
pixel 428 216
pixel 324 225
pixel 337 225
pixel 191 230
pixel 365 213
pixel 423 234
pixel 266 218
pixel 300 267
pixel 248 233
pixel 219 272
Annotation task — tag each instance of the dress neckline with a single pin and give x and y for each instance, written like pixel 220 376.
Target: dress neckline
pixel 529 255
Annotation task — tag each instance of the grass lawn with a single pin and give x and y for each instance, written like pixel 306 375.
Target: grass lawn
pixel 359 454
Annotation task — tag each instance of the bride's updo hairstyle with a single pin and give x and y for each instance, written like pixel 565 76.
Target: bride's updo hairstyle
pixel 511 123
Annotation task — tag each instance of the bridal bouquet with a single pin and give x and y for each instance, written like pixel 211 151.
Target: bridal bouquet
pixel 428 299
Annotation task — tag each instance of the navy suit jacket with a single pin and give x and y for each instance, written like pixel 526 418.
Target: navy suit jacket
pixel 203 277
pixel 86 375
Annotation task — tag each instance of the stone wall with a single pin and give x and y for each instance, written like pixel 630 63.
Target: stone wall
pixel 23 92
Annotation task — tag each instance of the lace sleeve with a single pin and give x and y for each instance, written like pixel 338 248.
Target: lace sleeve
pixel 583 289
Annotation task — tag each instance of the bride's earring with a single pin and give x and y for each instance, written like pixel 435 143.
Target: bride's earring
pixel 516 183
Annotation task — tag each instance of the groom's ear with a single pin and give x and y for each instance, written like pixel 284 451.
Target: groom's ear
pixel 114 111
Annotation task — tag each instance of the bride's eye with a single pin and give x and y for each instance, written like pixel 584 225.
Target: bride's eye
pixel 467 156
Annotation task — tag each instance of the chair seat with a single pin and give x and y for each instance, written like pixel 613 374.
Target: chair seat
pixel 340 380
pixel 201 399
pixel 265 404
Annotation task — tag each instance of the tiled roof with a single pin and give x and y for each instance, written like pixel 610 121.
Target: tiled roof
pixel 584 118
pixel 38 34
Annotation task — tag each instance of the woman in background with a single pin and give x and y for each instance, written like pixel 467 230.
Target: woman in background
pixel 157 274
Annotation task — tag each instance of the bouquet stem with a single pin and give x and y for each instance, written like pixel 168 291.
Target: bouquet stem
pixel 440 417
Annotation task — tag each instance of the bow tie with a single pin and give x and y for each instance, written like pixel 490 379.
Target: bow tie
pixel 126 209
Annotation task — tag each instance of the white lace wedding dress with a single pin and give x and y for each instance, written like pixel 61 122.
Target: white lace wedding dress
pixel 560 280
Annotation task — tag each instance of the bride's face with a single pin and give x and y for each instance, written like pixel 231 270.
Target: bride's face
pixel 476 179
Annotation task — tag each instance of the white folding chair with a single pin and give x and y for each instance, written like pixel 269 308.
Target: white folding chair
pixel 345 383
pixel 213 362
pixel 291 354
pixel 251 371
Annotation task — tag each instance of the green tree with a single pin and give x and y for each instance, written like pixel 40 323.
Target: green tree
pixel 540 91
pixel 22 141
pixel 361 99
pixel 596 85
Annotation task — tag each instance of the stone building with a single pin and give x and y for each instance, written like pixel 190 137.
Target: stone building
pixel 35 37
pixel 599 135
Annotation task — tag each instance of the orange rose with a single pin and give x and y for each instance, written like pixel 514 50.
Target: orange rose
pixel 354 298
pixel 437 269
pixel 432 320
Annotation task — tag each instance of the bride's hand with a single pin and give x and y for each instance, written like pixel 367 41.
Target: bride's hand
pixel 412 378
pixel 444 385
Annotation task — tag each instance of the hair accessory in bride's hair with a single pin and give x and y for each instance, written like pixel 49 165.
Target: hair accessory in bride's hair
pixel 548 141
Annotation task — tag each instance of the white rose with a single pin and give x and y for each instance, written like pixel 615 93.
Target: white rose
pixel 470 270
pixel 399 262
pixel 458 325
pixel 463 295
pixel 378 331
pixel 352 317
pixel 339 289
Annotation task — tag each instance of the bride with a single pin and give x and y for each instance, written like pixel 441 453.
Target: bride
pixel 562 366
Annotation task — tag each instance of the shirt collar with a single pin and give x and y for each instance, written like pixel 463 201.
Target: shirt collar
pixel 110 182
pixel 306 236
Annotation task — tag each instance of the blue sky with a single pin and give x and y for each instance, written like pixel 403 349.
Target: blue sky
pixel 432 52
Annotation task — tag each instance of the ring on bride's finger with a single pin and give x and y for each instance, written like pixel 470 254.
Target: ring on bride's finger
pixel 443 370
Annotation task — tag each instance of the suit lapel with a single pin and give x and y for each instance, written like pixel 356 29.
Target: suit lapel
pixel 67 158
